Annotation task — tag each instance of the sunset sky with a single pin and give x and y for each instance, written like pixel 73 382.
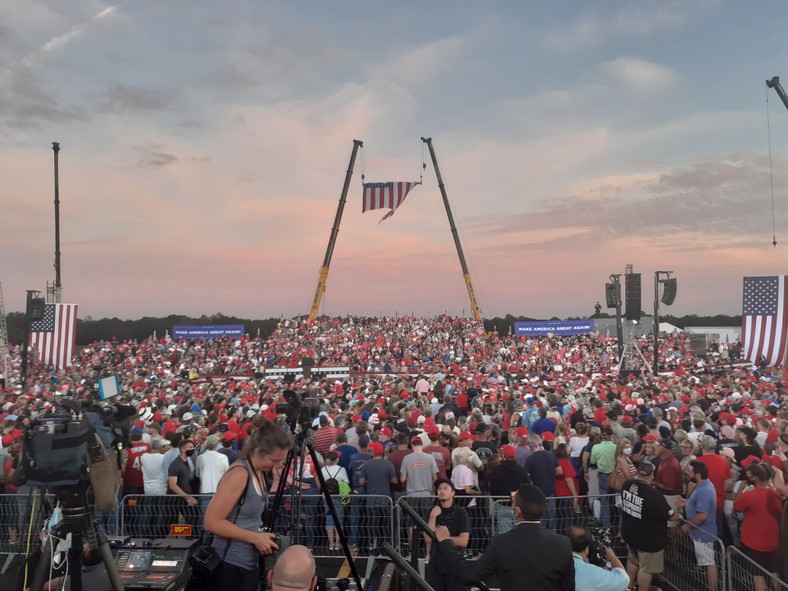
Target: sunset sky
pixel 204 146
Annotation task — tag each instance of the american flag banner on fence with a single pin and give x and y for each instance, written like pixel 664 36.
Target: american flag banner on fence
pixel 764 323
pixel 53 337
pixel 386 196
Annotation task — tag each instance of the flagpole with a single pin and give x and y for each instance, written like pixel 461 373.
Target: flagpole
pixel 58 284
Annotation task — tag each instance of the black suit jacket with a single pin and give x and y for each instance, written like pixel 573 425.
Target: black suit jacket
pixel 527 557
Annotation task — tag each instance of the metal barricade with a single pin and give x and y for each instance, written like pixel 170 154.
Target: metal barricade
pixel 690 565
pixel 744 574
pixel 367 522
pixel 22 514
pixel 150 516
pixel 483 513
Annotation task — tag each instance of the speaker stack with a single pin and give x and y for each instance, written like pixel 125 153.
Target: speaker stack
pixel 632 283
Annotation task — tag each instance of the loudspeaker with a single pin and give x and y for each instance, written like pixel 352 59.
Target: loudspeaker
pixel 632 282
pixel 35 309
pixel 669 293
pixel 611 295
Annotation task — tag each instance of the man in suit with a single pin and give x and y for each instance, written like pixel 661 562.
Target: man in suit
pixel 527 555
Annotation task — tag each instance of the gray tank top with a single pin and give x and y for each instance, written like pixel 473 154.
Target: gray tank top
pixel 249 518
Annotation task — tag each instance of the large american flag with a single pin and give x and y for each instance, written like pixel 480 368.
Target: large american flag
pixel 386 196
pixel 53 337
pixel 764 328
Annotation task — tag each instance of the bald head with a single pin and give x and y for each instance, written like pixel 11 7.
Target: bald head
pixel 294 570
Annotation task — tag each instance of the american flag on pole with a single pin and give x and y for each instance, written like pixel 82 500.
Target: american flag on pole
pixel 53 337
pixel 764 323
pixel 386 196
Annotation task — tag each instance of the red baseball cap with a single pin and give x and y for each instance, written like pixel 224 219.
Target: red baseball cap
pixel 376 448
pixel 466 435
pixel 548 436
pixel 507 452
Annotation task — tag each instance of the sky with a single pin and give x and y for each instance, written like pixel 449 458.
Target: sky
pixel 204 146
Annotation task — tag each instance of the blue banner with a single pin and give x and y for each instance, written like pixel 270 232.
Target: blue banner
pixel 554 327
pixel 207 331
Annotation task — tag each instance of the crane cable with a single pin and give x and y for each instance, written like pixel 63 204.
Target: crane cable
pixel 771 174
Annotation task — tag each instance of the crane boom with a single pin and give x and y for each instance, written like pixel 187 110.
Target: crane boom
pixel 323 275
pixel 778 88
pixel 477 314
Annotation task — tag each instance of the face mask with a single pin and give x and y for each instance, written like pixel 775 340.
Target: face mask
pixel 627 451
pixel 190 453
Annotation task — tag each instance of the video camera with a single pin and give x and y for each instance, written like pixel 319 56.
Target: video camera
pixel 73 445
pixel 600 539
pixel 299 408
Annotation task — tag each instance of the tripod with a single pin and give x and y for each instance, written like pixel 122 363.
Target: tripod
pixel 300 448
pixel 78 521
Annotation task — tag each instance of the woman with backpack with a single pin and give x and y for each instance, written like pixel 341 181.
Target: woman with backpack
pixel 333 475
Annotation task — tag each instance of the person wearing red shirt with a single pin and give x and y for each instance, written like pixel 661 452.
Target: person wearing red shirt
pixel 325 436
pixel 760 530
pixel 567 488
pixel 669 479
pixel 719 475
pixel 440 454
pixel 132 477
pixel 462 403
pixel 132 480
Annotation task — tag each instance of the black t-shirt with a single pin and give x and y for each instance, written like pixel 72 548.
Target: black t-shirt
pixel 506 477
pixel 180 470
pixel 645 514
pixel 484 449
pixel 457 520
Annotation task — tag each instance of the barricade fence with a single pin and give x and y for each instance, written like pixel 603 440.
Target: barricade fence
pixel 694 559
pixel 743 573
pixel 22 515
pixel 371 520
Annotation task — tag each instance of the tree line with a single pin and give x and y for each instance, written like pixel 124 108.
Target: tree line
pixel 90 330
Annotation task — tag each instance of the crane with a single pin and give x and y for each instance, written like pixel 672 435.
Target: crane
pixel 778 88
pixel 332 240
pixel 477 314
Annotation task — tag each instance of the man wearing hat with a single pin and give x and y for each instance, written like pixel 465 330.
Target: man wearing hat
pixel 357 480
pixel 438 572
pixel 669 479
pixel 505 478
pixel 133 483
pixel 376 476
pixel 228 439
pixel 644 526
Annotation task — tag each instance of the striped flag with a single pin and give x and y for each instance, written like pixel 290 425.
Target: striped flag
pixel 385 196
pixel 765 319
pixel 53 337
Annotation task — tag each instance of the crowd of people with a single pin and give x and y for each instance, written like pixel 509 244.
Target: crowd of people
pixel 436 407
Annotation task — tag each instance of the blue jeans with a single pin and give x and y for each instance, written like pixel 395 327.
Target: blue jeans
pixel 357 517
pixel 504 518
pixel 604 501
pixel 204 502
pixel 339 508
pixel 548 519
